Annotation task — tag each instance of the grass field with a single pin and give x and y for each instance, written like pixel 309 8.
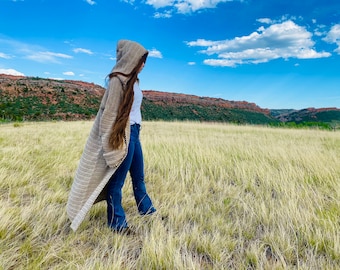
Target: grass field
pixel 228 197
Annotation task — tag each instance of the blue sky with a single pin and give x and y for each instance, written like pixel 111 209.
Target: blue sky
pixel 275 53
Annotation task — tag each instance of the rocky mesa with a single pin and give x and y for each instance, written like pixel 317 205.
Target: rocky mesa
pixel 34 98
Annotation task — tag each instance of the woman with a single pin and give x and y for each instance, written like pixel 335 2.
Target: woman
pixel 113 147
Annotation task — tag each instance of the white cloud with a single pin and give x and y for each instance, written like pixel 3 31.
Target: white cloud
pixel 81 50
pixel 165 14
pixel 185 6
pixel 155 53
pixel 265 20
pixel 44 57
pixel 201 43
pixel 191 63
pixel 160 3
pixel 11 71
pixel 90 2
pixel 131 2
pixel 32 51
pixel 320 30
pixel 5 56
pixel 68 73
pixel 221 62
pixel 282 40
pixel 333 36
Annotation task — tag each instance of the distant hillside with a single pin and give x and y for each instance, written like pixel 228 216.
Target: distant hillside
pixel 29 98
pixel 38 99
pixel 170 106
pixel 308 115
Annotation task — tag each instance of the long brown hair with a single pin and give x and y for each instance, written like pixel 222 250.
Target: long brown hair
pixel 118 129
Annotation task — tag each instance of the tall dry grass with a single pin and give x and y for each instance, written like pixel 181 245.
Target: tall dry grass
pixel 228 197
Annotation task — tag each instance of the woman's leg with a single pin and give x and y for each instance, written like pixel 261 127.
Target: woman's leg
pixel 143 200
pixel 115 212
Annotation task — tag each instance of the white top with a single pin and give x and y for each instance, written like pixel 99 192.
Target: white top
pixel 135 113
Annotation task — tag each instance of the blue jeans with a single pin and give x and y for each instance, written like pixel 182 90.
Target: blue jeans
pixel 135 165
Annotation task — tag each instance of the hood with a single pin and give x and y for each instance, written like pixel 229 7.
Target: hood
pixel 128 54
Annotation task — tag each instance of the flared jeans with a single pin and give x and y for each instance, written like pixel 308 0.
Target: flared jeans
pixel 134 164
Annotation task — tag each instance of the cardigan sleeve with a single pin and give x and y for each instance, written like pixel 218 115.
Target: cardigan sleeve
pixel 108 118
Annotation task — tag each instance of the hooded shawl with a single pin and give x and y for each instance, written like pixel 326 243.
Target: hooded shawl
pixel 98 161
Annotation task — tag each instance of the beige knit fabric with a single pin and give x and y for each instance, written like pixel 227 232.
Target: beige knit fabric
pixel 98 161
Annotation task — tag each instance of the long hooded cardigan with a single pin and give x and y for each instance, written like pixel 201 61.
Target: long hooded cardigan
pixel 98 161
